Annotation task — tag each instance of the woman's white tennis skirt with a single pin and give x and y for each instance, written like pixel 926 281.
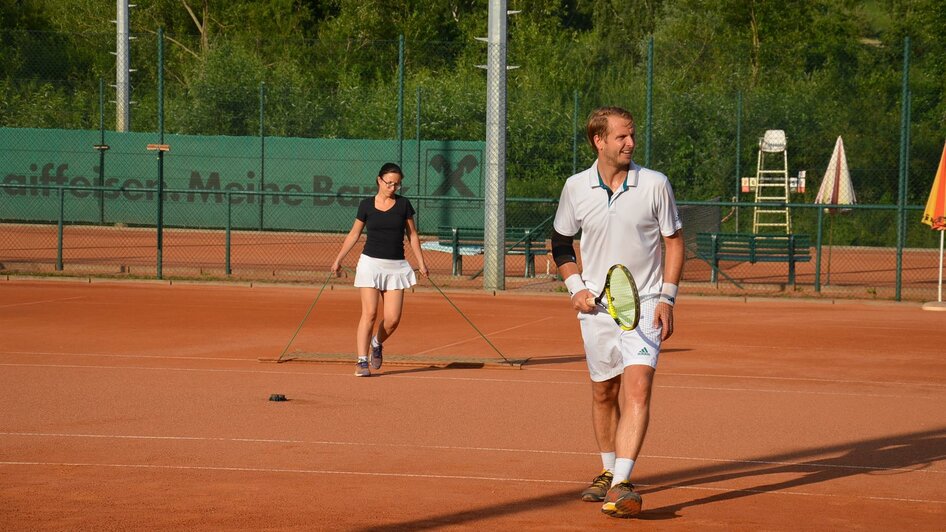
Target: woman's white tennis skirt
pixel 384 274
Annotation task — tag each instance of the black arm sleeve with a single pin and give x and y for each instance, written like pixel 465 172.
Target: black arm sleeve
pixel 563 248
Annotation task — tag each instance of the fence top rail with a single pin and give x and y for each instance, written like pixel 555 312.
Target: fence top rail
pixel 537 201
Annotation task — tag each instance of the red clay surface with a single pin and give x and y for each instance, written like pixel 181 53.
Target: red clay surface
pixel 144 406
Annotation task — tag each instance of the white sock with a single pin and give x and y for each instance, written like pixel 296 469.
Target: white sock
pixel 607 461
pixel 622 470
pixel 362 358
pixel 374 341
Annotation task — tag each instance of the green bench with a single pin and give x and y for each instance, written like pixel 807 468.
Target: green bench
pixel 752 248
pixel 462 241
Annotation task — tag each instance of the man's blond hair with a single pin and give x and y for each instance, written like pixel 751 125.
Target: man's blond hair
pixel 598 122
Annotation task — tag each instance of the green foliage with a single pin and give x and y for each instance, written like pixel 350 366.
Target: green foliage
pixel 818 69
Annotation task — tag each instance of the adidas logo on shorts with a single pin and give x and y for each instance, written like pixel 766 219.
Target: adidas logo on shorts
pixel 643 353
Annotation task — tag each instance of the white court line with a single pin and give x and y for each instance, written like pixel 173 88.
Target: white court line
pixel 106 355
pixel 41 302
pixel 806 464
pixel 446 477
pixel 528 368
pixel 442 378
pixel 759 377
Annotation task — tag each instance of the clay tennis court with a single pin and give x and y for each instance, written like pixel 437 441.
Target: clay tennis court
pixel 144 405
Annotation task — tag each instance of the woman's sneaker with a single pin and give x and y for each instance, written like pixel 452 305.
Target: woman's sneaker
pixel 361 369
pixel 376 356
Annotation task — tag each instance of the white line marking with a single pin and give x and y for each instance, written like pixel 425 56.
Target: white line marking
pixel 806 464
pixel 40 302
pixel 527 367
pixel 106 355
pixel 281 470
pixel 441 378
pixel 442 477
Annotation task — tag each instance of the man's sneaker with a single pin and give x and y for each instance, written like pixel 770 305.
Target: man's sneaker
pixel 622 501
pixel 598 488
pixel 361 369
pixel 376 356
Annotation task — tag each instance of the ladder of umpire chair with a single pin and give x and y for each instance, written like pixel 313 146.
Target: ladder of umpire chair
pixel 772 185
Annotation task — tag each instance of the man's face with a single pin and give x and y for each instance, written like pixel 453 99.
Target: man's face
pixel 617 145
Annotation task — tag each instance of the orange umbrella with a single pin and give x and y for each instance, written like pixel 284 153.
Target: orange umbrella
pixel 935 216
pixel 935 213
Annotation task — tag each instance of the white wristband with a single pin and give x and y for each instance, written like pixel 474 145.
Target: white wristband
pixel 574 284
pixel 668 294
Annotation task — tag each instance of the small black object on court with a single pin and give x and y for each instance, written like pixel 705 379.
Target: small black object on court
pixel 277 397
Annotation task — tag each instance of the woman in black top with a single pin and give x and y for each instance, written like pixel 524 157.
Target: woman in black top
pixel 382 273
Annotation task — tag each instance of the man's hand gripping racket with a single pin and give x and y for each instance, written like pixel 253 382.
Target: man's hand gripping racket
pixel 620 298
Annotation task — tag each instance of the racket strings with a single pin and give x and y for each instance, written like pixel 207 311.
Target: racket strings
pixel 622 298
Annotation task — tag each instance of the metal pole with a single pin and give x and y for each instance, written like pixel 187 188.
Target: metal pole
pixel 262 150
pixel 400 101
pixel 818 250
pixel 122 72
pixel 418 137
pixel 904 136
pixel 494 223
pixel 738 151
pixel 101 149
pixel 418 157
pixel 229 225
pixel 575 135
pixel 62 215
pixel 160 223
pixel 650 101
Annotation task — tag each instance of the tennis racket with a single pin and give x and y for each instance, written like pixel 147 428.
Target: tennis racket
pixel 620 297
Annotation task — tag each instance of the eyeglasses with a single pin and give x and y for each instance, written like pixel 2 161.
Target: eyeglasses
pixel 395 186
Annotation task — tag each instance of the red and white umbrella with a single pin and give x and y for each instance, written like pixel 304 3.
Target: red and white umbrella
pixel 836 189
pixel 935 216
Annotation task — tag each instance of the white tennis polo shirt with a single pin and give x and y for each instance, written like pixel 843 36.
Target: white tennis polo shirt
pixel 626 229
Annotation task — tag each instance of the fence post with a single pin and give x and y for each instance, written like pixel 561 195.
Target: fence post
pixel 262 150
pixel 229 222
pixel 818 250
pixel 904 154
pixel 738 152
pixel 417 127
pixel 62 208
pixel 575 135
pixel 160 222
pixel 101 149
pixel 650 101
pixel 400 101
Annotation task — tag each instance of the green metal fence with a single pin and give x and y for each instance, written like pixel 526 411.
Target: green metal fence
pixel 853 254
pixel 270 148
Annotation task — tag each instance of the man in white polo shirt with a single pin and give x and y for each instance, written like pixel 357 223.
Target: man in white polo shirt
pixel 623 211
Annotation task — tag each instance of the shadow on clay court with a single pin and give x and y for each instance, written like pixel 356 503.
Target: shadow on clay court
pixel 425 369
pixel 472 516
pixel 892 455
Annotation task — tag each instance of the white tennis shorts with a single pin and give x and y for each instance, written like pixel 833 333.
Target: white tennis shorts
pixel 609 349
pixel 384 274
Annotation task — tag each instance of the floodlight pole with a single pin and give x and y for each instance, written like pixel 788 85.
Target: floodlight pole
pixel 494 228
pixel 122 72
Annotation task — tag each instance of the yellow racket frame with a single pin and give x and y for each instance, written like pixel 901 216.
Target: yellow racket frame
pixel 619 269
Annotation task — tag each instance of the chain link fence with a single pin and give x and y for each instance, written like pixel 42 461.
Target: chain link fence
pixel 270 151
